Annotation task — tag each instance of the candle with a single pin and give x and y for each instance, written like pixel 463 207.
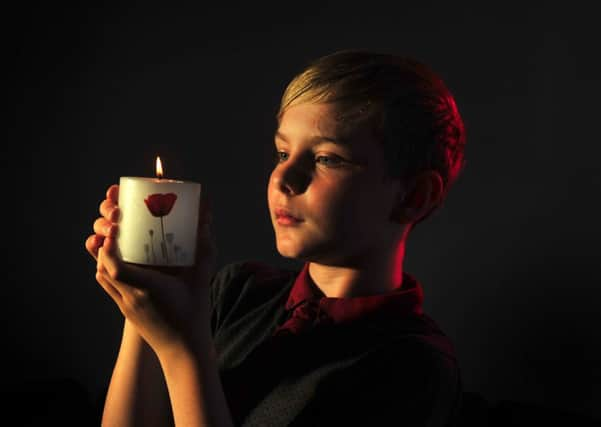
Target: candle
pixel 159 220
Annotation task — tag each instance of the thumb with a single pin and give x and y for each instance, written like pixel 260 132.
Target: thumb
pixel 206 248
pixel 204 210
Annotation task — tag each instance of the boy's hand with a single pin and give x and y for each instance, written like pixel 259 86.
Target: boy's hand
pixel 168 306
pixel 109 211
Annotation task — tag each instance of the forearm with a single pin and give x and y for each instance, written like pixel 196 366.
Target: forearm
pixel 137 394
pixel 197 396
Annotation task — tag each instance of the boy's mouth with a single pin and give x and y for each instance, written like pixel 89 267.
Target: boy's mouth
pixel 286 214
pixel 287 220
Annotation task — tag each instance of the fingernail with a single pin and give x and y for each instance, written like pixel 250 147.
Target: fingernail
pixel 109 230
pixel 114 215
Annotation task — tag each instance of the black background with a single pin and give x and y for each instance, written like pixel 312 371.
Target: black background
pixel 510 266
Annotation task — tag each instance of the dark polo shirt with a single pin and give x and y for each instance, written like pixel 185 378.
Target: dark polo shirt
pixel 290 356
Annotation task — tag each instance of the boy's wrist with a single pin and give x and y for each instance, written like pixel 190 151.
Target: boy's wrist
pixel 194 350
pixel 195 390
pixel 131 336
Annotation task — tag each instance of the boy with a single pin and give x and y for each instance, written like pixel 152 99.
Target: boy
pixel 367 146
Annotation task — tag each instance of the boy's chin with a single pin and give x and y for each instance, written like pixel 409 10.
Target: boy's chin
pixel 287 253
pixel 304 253
pixel 291 251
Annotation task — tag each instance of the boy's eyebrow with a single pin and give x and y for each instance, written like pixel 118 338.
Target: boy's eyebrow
pixel 317 139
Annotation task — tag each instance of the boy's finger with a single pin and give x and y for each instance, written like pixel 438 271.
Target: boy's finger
pixel 93 242
pixel 109 210
pixel 108 287
pixel 113 193
pixel 116 270
pixel 105 228
pixel 127 274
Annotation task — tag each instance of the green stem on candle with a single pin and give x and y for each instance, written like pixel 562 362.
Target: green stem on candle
pixel 164 241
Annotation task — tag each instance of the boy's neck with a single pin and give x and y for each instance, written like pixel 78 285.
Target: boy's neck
pixel 375 276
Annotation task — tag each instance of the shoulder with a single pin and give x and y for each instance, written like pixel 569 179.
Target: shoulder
pixel 418 372
pixel 241 284
pixel 412 374
pixel 419 331
pixel 403 382
pixel 413 360
pixel 234 276
pixel 434 338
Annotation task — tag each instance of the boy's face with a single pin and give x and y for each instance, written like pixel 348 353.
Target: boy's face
pixel 337 190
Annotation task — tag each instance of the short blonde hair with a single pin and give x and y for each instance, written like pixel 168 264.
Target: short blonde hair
pixel 408 107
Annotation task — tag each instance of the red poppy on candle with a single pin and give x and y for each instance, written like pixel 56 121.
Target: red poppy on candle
pixel 160 204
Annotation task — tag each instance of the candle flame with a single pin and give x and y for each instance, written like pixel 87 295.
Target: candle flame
pixel 159 168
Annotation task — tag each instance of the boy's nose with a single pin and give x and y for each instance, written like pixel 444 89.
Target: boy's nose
pixel 292 179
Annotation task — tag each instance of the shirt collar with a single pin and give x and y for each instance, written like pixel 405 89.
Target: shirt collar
pixel 397 303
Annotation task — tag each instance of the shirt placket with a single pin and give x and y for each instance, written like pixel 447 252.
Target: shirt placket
pixel 305 316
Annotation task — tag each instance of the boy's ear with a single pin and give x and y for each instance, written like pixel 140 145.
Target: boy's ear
pixel 417 198
pixel 402 211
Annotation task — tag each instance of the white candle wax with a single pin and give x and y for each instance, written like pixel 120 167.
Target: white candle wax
pixel 158 222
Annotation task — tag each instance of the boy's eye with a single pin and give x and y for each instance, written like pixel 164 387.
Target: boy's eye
pixel 277 156
pixel 329 161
